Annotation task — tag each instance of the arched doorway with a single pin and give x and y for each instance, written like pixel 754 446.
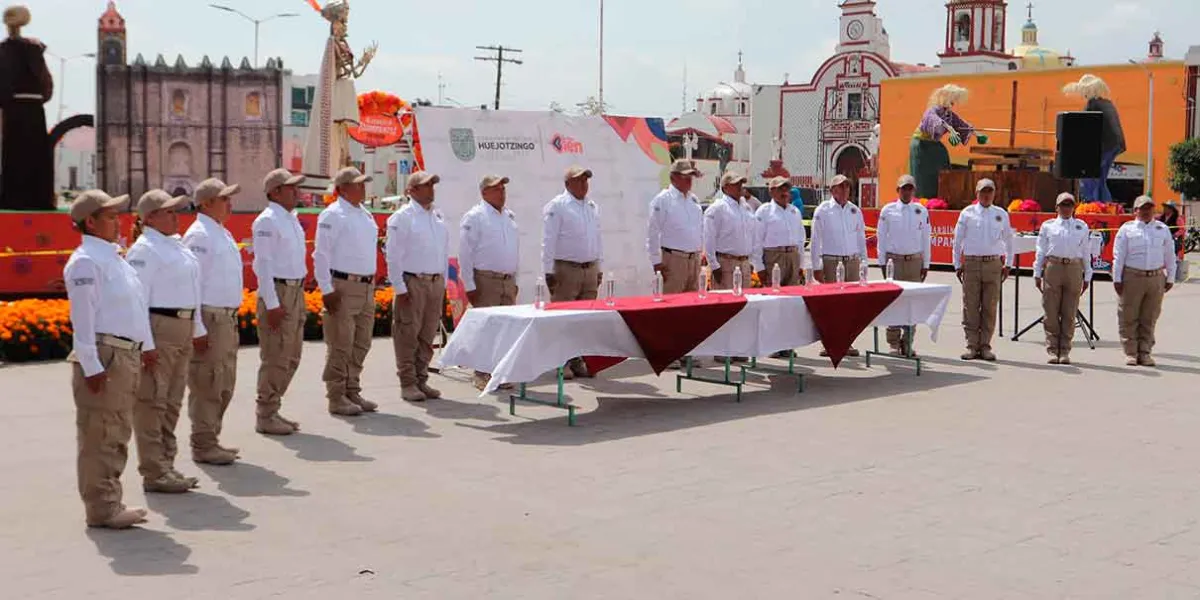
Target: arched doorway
pixel 850 162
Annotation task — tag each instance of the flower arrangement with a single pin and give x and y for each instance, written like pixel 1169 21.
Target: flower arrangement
pixel 936 204
pixel 1019 205
pixel 1099 208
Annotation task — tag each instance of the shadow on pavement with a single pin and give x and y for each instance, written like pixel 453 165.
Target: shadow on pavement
pixel 142 552
pixel 248 480
pixel 318 448
pixel 444 408
pixel 197 511
pixel 389 425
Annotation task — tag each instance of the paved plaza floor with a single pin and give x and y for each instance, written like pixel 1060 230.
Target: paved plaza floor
pixel 1009 480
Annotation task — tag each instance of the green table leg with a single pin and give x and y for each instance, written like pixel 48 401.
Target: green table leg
pixel 691 375
pixel 767 369
pixel 908 355
pixel 558 402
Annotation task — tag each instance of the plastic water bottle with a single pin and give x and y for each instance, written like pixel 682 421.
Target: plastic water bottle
pixel 737 281
pixel 776 278
pixel 808 277
pixel 702 285
pixel 841 272
pixel 539 294
pixel 863 271
pixel 658 286
pixel 610 289
pixel 891 270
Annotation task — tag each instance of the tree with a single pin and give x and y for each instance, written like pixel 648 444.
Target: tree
pixel 1185 168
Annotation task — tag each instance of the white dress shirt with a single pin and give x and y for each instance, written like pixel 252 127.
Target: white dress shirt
pixel 729 228
pixel 487 239
pixel 837 230
pixel 170 273
pixel 106 297
pixel 1146 246
pixel 347 240
pixel 279 250
pixel 570 231
pixel 417 242
pixel 903 229
pixel 676 222
pixel 220 262
pixel 1063 238
pixel 777 226
pixel 983 232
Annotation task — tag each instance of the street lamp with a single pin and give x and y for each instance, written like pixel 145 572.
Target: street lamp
pixel 62 78
pixel 1149 128
pixel 256 22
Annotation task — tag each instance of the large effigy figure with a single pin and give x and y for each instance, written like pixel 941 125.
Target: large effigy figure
pixel 335 104
pixel 27 164
pixel 927 156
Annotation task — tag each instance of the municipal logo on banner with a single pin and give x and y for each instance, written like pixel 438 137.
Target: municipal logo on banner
pixel 462 142
pixel 566 145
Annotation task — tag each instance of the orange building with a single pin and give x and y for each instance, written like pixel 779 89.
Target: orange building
pixel 1039 100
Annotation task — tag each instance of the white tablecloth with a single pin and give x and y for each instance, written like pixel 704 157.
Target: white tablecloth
pixel 519 343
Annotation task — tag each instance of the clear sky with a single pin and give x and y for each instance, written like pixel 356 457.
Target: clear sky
pixel 648 43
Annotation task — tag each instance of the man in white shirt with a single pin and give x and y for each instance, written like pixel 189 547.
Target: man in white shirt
pixel 780 236
pixel 982 257
pixel 112 345
pixel 904 238
pixel 1062 269
pixel 751 201
pixel 675 231
pixel 489 253
pixel 345 256
pixel 279 266
pixel 838 236
pixel 213 370
pixel 418 251
pixel 572 249
pixel 170 277
pixel 1142 252
pixel 729 229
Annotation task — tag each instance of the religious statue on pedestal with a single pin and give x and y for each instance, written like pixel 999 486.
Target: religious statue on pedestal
pixel 335 104
pixel 27 164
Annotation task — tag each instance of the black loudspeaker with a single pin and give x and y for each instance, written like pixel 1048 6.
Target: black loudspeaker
pixel 1078 153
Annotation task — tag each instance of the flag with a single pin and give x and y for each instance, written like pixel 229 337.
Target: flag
pixel 313 3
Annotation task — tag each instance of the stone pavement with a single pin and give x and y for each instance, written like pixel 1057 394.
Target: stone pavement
pixel 974 480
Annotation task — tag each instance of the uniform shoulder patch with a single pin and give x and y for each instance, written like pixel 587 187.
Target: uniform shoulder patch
pixel 853 210
pixel 999 218
pixel 82 281
pixel 200 249
pixel 324 226
pixel 137 262
pixel 262 233
pixel 1160 226
pixel 1078 227
pixel 918 210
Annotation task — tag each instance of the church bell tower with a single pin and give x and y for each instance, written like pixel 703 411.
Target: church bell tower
pixel 110 48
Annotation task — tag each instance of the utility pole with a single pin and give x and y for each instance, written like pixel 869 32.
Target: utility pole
pixel 499 59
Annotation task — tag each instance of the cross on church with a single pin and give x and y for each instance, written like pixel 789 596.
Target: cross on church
pixel 1030 7
pixel 739 58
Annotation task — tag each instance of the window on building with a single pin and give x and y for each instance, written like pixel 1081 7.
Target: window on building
pixel 962 28
pixel 713 109
pixel 302 97
pixel 741 108
pixel 72 178
pixel 854 106
pixel 300 118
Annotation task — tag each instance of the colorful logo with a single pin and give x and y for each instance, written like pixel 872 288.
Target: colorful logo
pixel 462 142
pixel 566 145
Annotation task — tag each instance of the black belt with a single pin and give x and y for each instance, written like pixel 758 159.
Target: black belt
pixel 733 256
pixel 178 313
pixel 425 276
pixel 352 277
pixel 581 265
pixel 681 252
pixel 289 282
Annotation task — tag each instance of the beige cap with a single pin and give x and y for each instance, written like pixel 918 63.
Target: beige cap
pixel 1064 198
pixel 347 176
pixel 777 182
pixel 491 181
pixel 985 184
pixel 684 166
pixel 91 201
pixel 577 171
pixel 158 200
pixel 214 188
pixel 838 180
pixel 730 178
pixel 279 178
pixel 421 178
pixel 1140 202
pixel 906 180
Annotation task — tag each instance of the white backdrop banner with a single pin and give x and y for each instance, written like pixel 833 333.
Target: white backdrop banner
pixel 628 157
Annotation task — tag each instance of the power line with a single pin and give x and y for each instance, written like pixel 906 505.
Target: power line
pixel 499 59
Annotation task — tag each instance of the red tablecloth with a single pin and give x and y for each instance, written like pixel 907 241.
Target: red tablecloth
pixel 842 311
pixel 665 330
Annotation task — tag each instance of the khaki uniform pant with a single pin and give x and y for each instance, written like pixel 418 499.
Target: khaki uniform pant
pixel 348 333
pixel 415 325
pixel 160 396
pixel 789 267
pixel 851 266
pixel 680 273
pixel 494 289
pixel 279 349
pixel 572 282
pixel 908 268
pixel 1141 303
pixel 981 296
pixel 103 424
pixel 724 278
pixel 1062 283
pixel 211 377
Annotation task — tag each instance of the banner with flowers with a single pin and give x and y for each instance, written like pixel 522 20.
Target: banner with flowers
pixel 382 118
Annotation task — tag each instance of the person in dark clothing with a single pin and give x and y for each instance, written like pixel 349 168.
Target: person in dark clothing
pixel 27 162
pixel 1112 140
pixel 1170 218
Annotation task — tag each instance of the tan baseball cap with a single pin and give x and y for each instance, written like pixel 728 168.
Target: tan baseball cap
pixel 279 178
pixel 684 166
pixel 214 188
pixel 1140 202
pixel 985 184
pixel 906 180
pixel 730 178
pixel 158 200
pixel 91 201
pixel 421 178
pixel 778 182
pixel 348 175
pixel 1064 198
pixel 838 180
pixel 577 171
pixel 492 180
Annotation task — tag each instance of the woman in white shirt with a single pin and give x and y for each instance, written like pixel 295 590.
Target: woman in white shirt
pixel 170 276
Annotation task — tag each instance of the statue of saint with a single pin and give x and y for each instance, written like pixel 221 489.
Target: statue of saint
pixel 27 164
pixel 335 103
